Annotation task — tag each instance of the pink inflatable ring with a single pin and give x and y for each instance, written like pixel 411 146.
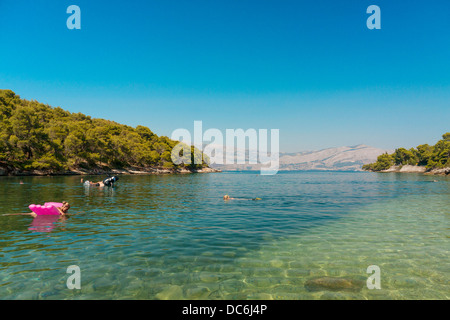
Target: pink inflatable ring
pixel 56 204
pixel 45 210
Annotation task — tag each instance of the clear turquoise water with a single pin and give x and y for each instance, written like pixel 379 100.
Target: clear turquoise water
pixel 173 237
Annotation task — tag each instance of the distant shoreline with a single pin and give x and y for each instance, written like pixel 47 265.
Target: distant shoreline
pixel 99 171
pixel 393 169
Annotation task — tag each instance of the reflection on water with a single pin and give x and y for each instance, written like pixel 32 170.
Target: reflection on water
pixel 47 223
pixel 173 237
pixel 43 223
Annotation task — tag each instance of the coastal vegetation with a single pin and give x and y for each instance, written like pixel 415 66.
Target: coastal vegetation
pixel 36 136
pixel 431 157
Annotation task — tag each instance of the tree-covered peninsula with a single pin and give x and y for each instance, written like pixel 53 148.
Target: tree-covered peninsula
pixel 432 158
pixel 36 137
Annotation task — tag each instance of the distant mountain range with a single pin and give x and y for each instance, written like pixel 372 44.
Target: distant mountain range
pixel 339 159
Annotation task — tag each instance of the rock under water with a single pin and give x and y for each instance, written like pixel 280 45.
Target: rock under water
pixel 334 284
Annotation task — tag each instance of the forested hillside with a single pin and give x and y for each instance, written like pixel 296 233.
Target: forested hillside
pixel 37 136
pixel 432 157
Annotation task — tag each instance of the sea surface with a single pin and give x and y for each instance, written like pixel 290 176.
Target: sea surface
pixel 174 237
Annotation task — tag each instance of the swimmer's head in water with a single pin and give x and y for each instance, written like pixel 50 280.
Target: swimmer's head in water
pixel 65 207
pixel 226 197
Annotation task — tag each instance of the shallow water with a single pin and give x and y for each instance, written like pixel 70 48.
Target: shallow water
pixel 173 237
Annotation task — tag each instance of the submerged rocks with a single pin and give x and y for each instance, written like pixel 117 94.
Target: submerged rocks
pixel 335 284
pixel 172 292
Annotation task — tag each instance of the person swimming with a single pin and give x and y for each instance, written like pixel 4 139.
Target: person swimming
pixel 94 184
pixel 108 182
pixel 227 197
pixel 64 208
pixel 62 211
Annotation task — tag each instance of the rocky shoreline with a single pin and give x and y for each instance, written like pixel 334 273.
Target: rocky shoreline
pixel 418 169
pixel 9 171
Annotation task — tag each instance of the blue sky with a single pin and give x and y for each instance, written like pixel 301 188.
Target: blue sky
pixel 309 68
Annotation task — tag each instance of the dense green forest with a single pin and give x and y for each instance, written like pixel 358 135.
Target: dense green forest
pixel 37 136
pixel 437 156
